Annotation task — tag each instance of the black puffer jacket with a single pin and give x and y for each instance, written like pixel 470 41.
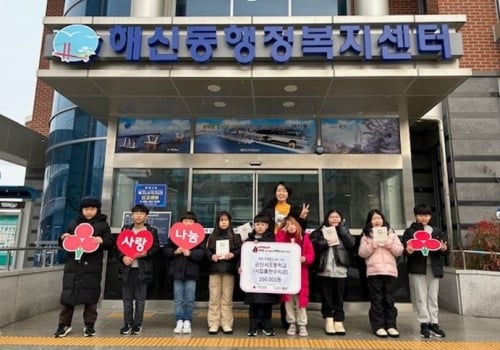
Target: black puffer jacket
pixel 416 262
pixel 82 279
pixel 145 263
pixel 261 298
pixel 340 251
pixel 223 265
pixel 181 267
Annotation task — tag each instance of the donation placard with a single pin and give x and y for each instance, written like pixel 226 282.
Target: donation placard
pixel 270 267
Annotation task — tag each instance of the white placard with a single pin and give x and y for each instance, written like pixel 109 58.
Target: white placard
pixel 330 234
pixel 243 230
pixel 270 267
pixel 380 235
pixel 222 248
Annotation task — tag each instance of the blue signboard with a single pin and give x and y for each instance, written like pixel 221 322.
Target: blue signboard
pixel 150 195
pixel 279 43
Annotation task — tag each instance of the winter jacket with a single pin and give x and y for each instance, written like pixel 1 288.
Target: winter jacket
pixel 381 260
pixel 145 263
pixel 307 251
pixel 340 251
pixel 181 267
pixel 261 298
pixel 416 262
pixel 223 265
pixel 82 279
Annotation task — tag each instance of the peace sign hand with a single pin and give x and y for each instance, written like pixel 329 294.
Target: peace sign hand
pixel 305 211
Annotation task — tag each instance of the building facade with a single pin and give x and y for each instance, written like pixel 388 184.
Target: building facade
pixel 206 105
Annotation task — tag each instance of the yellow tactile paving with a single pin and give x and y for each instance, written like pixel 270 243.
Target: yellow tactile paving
pixel 243 343
pixel 119 314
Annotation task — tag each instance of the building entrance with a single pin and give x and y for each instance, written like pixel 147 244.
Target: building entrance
pixel 243 193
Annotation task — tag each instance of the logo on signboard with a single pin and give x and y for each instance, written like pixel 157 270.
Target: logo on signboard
pixel 131 243
pixel 187 237
pixel 82 241
pixel 75 43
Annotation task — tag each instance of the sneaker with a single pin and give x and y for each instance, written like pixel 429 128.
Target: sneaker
pixel 252 331
pixel 62 331
pixel 292 329
pixel 178 327
pixel 268 331
pixel 227 330
pixel 213 330
pixel 303 331
pixel 381 333
pixel 436 330
pixel 424 330
pixel 186 327
pixel 88 330
pixel 339 328
pixel 136 329
pixel 126 329
pixel 393 332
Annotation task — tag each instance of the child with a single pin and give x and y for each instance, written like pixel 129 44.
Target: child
pixel 382 271
pixel 86 272
pixel 223 251
pixel 260 307
pixel 136 272
pixel 295 305
pixel 332 258
pixel 184 270
pixel 424 272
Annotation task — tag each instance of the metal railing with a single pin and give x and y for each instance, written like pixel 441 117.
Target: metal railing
pixel 41 257
pixel 475 259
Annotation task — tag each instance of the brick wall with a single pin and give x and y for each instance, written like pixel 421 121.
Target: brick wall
pixel 44 94
pixel 403 7
pixel 481 53
pixel 432 7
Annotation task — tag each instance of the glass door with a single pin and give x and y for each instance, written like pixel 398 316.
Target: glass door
pixel 243 193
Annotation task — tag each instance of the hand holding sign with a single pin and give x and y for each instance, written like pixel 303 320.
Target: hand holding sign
pixel 82 241
pixel 186 237
pixel 423 241
pixel 133 244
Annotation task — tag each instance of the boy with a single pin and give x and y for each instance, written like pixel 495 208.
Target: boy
pixel 425 272
pixel 87 271
pixel 184 270
pixel 260 304
pixel 136 272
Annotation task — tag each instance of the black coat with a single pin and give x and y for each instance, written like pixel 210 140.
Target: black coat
pixel 181 267
pixel 82 279
pixel 223 265
pixel 340 251
pixel 261 298
pixel 145 263
pixel 416 262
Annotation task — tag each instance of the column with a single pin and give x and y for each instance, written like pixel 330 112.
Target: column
pixel 372 7
pixel 147 8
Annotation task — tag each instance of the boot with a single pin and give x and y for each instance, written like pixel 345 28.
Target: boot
pixel 339 328
pixel 329 328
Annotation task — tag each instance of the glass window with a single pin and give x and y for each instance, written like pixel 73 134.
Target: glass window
pixel 118 8
pixel 216 192
pixel 355 192
pixel 203 8
pixel 74 124
pixel 97 8
pixel 319 7
pixel 260 8
pixel 124 185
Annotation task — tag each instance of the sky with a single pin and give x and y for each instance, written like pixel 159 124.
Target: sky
pixel 21 36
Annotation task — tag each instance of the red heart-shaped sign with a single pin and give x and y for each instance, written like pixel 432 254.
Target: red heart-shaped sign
pixel 131 243
pixel 186 237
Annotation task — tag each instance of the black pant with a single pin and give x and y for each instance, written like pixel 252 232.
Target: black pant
pixel 260 311
pixel 332 297
pixel 134 289
pixel 382 312
pixel 89 314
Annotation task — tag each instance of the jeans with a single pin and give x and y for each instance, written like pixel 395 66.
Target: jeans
pixel 184 294
pixel 134 290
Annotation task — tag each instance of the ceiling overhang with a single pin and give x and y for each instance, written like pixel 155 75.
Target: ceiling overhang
pixel 349 87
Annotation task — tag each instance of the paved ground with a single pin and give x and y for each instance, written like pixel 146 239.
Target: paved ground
pixel 37 333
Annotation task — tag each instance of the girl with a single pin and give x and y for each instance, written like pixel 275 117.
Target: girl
pixel 380 253
pixel 223 250
pixel 332 259
pixel 295 305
